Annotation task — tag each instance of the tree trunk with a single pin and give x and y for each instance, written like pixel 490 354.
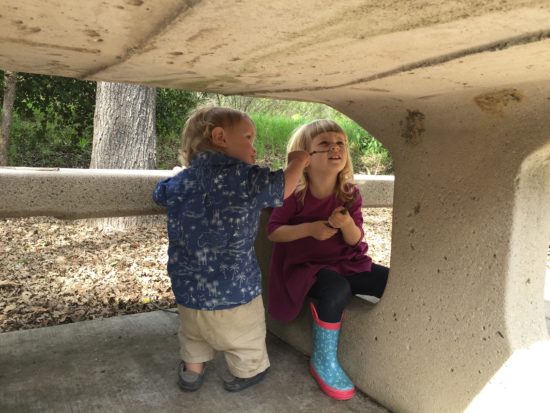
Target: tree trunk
pixel 124 137
pixel 7 110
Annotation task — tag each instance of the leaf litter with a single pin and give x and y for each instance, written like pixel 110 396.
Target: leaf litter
pixel 57 272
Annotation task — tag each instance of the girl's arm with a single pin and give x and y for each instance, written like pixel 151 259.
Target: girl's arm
pixel 279 229
pixel 318 230
pixel 351 233
pixel 349 220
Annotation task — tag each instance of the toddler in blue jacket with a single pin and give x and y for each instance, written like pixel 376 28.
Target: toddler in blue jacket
pixel 213 209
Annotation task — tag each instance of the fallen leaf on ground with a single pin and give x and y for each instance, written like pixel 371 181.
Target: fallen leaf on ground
pixel 57 272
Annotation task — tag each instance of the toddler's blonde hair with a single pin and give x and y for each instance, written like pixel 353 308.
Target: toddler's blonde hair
pixel 301 140
pixel 197 133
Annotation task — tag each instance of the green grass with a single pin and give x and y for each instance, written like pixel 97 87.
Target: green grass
pixel 272 136
pixel 368 154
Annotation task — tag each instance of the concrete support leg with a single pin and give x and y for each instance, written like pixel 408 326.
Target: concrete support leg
pixel 461 326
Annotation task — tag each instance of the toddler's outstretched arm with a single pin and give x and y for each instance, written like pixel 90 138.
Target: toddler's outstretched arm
pixel 297 161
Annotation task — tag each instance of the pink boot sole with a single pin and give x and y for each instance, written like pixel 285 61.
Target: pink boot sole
pixel 330 391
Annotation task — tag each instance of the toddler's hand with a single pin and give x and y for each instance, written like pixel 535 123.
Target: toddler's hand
pixel 340 218
pixel 299 156
pixel 176 170
pixel 321 231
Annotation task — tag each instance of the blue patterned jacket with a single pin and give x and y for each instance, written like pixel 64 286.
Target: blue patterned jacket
pixel 213 209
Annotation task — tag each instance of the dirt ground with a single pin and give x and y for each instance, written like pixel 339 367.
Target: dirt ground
pixel 57 272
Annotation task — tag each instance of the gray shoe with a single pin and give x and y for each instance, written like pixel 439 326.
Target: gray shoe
pixel 189 380
pixel 235 384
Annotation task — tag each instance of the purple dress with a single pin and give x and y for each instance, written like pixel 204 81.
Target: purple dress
pixel 294 264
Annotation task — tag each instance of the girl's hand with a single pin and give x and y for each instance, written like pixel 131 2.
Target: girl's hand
pixel 340 218
pixel 321 231
pixel 176 170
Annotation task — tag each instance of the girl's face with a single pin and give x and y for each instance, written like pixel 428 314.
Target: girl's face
pixel 331 152
pixel 240 139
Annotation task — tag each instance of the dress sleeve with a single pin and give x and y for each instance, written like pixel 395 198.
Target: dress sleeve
pixel 265 186
pixel 356 212
pixel 282 215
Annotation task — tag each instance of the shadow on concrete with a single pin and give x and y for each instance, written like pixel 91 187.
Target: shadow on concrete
pixel 128 364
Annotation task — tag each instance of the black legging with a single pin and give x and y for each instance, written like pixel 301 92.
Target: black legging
pixel 333 291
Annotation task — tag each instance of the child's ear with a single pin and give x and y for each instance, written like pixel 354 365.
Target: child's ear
pixel 218 137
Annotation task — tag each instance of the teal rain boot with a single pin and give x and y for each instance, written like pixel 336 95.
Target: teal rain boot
pixel 324 365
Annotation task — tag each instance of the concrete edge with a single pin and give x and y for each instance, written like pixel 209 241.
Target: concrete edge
pixel 90 193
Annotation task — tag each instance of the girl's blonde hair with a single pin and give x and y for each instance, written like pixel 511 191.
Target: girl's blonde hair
pixel 197 133
pixel 301 140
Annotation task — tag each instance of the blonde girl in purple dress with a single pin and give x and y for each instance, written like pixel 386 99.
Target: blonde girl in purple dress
pixel 319 249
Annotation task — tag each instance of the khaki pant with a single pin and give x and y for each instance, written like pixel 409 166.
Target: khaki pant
pixel 238 332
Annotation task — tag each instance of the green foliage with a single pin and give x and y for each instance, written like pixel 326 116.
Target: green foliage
pixel 272 133
pixel 368 154
pixel 71 101
pixel 276 120
pixel 167 150
pixel 53 125
pixel 50 143
pixel 275 107
pixel 173 108
pixel 53 121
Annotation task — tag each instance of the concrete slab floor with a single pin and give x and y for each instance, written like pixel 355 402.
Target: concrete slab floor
pixel 128 364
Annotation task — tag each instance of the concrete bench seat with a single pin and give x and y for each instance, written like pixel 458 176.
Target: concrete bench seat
pixel 87 193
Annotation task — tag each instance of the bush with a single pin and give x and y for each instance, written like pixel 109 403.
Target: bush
pixel 48 143
pixel 53 125
pixel 167 150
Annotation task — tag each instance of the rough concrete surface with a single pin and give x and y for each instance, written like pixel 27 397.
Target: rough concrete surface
pixel 259 47
pixel 128 364
pixel 70 193
pixel 458 91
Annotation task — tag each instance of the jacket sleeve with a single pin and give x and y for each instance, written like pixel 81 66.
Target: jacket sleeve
pixel 356 212
pixel 265 186
pixel 160 195
pixel 282 215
